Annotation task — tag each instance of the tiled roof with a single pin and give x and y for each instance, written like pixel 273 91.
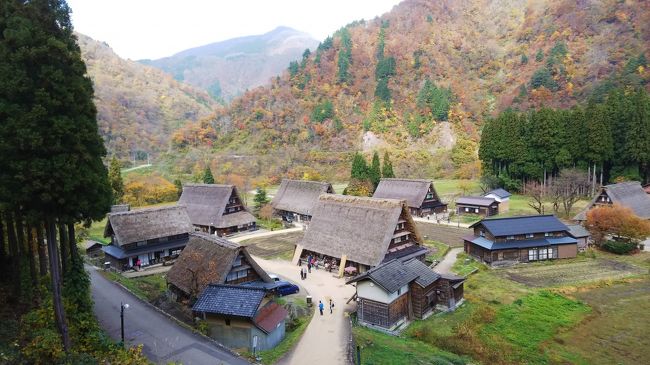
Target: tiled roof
pixel 522 225
pixel 577 231
pixel 390 276
pixel 501 193
pixel 489 245
pixel 268 317
pixel 475 200
pixel 426 276
pixel 232 300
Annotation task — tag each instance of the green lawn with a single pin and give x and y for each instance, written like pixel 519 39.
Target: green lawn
pixel 96 232
pixel 147 288
pixel 439 250
pixel 466 265
pixel 452 186
pixel 379 348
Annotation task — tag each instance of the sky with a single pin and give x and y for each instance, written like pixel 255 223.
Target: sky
pixel 140 29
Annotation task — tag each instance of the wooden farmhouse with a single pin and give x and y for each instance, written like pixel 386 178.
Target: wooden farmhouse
pixel 241 317
pixel 295 199
pixel 150 235
pixel 420 195
pixel 483 206
pixel 520 239
pixel 395 292
pixel 93 249
pixel 629 194
pixel 208 259
pixel 360 232
pixel 501 196
pixel 581 235
pixel 216 209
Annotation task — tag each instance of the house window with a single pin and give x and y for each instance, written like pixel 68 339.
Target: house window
pixel 543 254
pixel 429 196
pixel 399 291
pixel 548 234
pixel 529 235
pixel 510 237
pixel 482 233
pixel 475 210
pixel 532 254
pixel 141 243
pixel 466 209
pixel 227 321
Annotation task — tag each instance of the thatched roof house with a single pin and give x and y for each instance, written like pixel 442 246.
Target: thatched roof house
pixel 208 259
pixel 133 226
pixel 362 231
pixel 420 195
pixel 146 235
pixel 629 194
pixel 295 199
pixel 216 208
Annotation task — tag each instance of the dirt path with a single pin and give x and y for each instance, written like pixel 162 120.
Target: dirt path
pixel 325 339
pixel 444 267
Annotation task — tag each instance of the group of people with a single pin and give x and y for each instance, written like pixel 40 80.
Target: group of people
pixel 313 262
pixel 321 307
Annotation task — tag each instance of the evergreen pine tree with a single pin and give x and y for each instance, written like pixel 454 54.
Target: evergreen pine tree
pixel 359 167
pixel 374 173
pixel 179 186
pixel 539 57
pixel 207 176
pixel 115 179
pixel 260 199
pixel 387 169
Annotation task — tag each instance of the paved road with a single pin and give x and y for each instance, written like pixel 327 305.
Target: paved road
pixel 325 339
pixel 164 341
pixel 444 267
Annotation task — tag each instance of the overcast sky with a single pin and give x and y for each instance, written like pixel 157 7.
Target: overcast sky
pixel 140 29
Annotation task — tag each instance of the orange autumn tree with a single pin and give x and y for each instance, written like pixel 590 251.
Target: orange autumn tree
pixel 617 221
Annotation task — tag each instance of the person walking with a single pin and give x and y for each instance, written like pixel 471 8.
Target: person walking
pixel 331 306
pixel 309 266
pixel 321 307
pixel 302 275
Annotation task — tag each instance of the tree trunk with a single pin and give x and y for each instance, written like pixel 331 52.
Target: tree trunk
pixel 59 313
pixel 601 175
pixel 42 257
pixel 64 249
pixel 13 257
pixel 3 253
pixel 20 234
pixel 32 263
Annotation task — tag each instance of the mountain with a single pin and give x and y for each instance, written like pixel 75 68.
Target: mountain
pixel 138 106
pixel 421 79
pixel 226 69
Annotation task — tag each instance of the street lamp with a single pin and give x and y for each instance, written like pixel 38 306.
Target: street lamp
pixel 123 306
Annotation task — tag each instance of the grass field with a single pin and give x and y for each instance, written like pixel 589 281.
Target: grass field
pixel 438 250
pixel 96 232
pixel 278 246
pixel 148 288
pixel 449 235
pixel 572 272
pixel 466 265
pixel 378 348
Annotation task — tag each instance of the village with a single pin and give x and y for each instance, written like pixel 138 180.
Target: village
pixel 343 271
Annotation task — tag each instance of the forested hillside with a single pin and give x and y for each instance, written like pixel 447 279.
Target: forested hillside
pixel 138 106
pixel 227 69
pixel 420 81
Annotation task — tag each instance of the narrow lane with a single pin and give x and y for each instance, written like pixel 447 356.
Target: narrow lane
pixel 163 340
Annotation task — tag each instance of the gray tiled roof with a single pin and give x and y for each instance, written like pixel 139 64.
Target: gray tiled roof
pixel 540 242
pixel 233 300
pixel 390 276
pixel 475 200
pixel 501 193
pixel 426 276
pixel 577 231
pixel 522 225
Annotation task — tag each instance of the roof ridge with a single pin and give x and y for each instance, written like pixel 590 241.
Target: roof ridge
pixel 147 210
pixel 351 198
pixel 405 179
pixel 210 185
pixel 519 216
pixel 234 286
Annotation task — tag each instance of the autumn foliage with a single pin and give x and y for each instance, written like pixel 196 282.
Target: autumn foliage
pixel 616 221
pixel 147 190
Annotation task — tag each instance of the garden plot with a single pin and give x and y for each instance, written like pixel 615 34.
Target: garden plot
pixel 568 273
pixel 449 235
pixel 276 246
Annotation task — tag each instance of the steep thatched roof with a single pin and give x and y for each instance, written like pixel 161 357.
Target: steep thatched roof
pixel 628 194
pixel 146 224
pixel 206 205
pixel 358 227
pixel 299 196
pixel 208 260
pixel 412 190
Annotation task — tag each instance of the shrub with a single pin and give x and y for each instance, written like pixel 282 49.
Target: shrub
pixel 619 247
